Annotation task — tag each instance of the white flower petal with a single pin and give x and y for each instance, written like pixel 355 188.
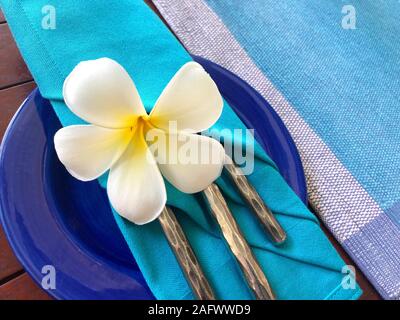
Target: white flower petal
pixel 88 151
pixel 190 162
pixel 135 186
pixel 191 99
pixel 102 93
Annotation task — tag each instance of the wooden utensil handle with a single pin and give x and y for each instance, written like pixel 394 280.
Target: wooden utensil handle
pixel 256 204
pixel 185 255
pixel 255 277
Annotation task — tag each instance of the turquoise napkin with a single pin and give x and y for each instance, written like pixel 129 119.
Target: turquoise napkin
pixel 305 267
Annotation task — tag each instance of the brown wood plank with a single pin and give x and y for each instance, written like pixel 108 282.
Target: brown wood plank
pixel 22 288
pixel 13 69
pixel 2 18
pixel 10 100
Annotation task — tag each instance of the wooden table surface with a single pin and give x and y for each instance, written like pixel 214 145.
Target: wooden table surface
pixel 15 84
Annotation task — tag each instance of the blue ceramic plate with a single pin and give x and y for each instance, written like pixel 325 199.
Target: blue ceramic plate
pixel 52 219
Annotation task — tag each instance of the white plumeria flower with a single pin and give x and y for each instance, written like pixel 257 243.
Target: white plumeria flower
pixel 102 93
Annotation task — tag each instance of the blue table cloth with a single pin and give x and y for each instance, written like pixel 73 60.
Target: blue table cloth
pixel 305 267
pixel 331 71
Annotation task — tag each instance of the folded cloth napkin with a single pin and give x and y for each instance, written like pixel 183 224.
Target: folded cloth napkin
pixel 331 71
pixel 305 267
